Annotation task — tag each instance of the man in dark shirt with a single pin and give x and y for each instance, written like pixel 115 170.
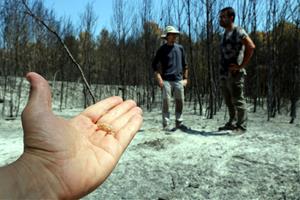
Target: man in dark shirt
pixel 236 50
pixel 171 73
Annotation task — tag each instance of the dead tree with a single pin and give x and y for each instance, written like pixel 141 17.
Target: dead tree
pixel 295 76
pixel 255 86
pixel 40 21
pixel 149 43
pixel 270 47
pixel 192 65
pixel 120 20
pixel 87 46
pixel 15 38
pixel 209 41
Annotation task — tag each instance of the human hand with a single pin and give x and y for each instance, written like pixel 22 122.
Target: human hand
pixel 234 68
pixel 184 82
pixel 159 79
pixel 161 83
pixel 67 159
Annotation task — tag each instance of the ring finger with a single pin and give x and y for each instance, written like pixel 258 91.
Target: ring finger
pixel 120 122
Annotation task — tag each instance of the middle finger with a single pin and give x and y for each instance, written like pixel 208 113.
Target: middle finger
pixel 117 111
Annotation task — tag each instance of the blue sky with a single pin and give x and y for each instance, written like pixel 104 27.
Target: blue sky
pixel 74 8
pixel 104 11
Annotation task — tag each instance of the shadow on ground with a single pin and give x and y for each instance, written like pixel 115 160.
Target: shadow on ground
pixel 202 133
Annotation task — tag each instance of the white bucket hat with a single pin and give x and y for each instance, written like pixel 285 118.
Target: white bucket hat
pixel 169 29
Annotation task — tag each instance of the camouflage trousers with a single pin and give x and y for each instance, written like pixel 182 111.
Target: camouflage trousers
pixel 232 88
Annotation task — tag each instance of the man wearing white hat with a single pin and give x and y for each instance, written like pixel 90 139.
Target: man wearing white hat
pixel 171 73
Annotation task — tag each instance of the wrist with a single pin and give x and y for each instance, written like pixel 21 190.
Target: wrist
pixel 8 183
pixel 20 180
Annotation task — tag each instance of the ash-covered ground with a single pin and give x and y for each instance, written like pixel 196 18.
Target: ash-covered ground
pixel 200 163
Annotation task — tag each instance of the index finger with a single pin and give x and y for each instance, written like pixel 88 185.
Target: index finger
pixel 94 112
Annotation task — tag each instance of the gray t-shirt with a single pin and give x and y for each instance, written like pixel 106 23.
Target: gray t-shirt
pixel 172 61
pixel 232 48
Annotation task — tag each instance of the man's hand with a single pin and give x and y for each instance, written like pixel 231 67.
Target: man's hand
pixel 184 82
pixel 161 83
pixel 67 159
pixel 159 79
pixel 234 68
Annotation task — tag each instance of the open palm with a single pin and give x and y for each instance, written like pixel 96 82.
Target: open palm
pixel 74 156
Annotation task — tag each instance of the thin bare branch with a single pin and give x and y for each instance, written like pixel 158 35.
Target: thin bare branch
pixel 40 21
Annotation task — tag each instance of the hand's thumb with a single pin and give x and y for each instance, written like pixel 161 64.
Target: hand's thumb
pixel 40 94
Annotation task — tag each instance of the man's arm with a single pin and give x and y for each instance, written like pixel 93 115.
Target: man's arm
pixel 155 67
pixel 249 49
pixel 185 75
pixel 185 72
